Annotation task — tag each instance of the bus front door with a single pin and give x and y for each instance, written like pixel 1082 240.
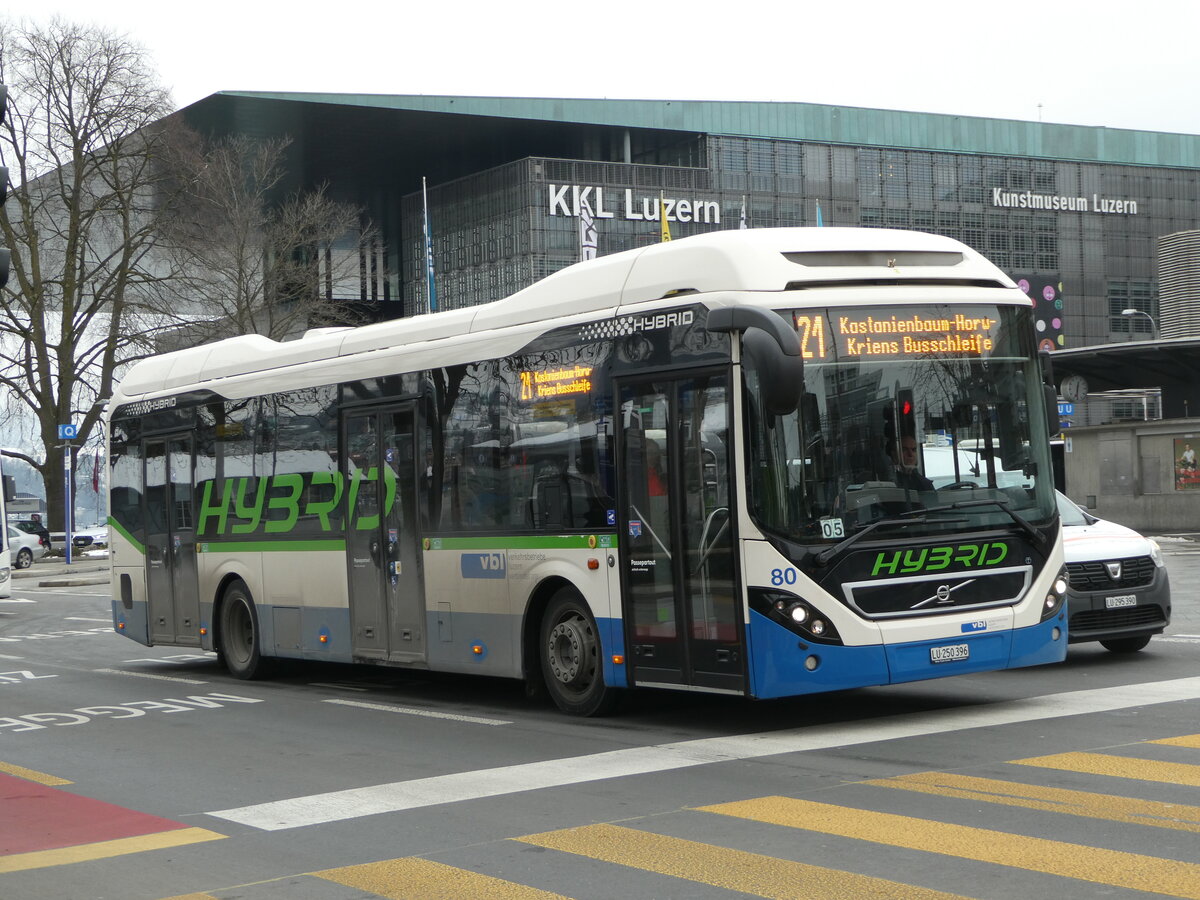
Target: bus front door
pixel 171 572
pixel 680 586
pixel 387 602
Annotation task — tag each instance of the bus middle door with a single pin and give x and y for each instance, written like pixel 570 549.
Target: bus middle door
pixel 172 587
pixel 387 602
pixel 682 612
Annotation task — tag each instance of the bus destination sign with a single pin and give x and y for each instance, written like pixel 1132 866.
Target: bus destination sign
pixel 549 384
pixel 887 334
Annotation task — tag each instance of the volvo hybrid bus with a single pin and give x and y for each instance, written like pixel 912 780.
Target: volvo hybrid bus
pixel 693 465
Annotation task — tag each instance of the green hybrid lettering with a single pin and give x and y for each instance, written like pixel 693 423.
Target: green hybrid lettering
pixel 936 559
pixel 259 505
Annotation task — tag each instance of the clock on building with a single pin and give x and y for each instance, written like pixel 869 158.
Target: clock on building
pixel 1073 388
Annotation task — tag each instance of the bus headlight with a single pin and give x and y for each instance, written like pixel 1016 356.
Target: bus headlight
pixel 1055 597
pixel 795 614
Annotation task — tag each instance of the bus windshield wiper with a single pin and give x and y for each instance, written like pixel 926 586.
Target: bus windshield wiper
pixel 911 517
pixel 1005 505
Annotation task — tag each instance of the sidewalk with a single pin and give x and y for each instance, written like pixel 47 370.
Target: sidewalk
pixel 54 571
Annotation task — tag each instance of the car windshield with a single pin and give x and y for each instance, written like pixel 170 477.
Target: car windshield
pixel 1069 512
pixel 904 408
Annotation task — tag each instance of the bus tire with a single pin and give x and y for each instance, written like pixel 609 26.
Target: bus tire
pixel 570 655
pixel 240 634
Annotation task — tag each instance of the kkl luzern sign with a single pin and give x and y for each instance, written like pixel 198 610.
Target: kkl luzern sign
pixel 568 200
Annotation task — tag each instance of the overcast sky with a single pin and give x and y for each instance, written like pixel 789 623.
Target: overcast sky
pixel 1128 66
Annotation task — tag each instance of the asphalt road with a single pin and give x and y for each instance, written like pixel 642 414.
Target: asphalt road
pixel 128 772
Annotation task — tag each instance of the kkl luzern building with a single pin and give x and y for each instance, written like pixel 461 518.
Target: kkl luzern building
pixel 1074 214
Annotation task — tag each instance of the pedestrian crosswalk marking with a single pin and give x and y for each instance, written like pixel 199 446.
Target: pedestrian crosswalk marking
pixel 735 870
pixel 1118 767
pixel 1076 803
pixel 413 878
pixel 1187 740
pixel 1100 866
pixel 43 859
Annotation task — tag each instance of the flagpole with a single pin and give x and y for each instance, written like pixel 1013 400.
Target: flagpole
pixel 430 288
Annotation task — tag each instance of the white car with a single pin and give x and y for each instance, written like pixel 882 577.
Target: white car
pixel 1118 592
pixel 23 548
pixel 90 536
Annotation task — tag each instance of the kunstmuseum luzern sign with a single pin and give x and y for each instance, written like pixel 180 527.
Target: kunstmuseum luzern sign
pixel 1062 202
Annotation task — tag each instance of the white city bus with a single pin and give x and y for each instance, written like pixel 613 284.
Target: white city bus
pixel 678 466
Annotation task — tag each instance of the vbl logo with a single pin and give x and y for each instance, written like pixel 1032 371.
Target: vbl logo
pixel 483 565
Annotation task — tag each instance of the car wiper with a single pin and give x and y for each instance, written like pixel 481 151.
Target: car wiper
pixel 1005 505
pixel 914 516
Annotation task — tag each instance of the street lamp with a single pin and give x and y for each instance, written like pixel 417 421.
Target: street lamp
pixel 1138 312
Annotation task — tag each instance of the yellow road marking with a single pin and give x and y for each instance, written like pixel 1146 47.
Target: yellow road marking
pixel 1076 803
pixel 41 859
pixel 736 870
pixel 1188 740
pixel 31 775
pixel 422 879
pixel 192 897
pixel 1117 767
pixel 1112 867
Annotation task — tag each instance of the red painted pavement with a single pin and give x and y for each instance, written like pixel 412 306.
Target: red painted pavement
pixel 35 817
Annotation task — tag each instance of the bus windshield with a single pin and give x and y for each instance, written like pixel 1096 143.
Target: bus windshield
pixel 936 407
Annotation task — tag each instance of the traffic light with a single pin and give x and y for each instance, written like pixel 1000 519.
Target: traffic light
pixel 5 254
pixel 907 412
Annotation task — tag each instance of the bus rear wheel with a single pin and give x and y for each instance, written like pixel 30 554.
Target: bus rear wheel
pixel 240 634
pixel 570 655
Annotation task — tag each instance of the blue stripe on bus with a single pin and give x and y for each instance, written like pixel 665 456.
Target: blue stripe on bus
pixel 777 658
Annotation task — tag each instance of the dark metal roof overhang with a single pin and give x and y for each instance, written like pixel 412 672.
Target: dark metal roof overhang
pixel 1140 364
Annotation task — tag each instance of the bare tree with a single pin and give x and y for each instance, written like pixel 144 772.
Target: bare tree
pixel 82 148
pixel 254 258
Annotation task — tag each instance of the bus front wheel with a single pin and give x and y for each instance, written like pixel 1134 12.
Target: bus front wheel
pixel 570 654
pixel 240 634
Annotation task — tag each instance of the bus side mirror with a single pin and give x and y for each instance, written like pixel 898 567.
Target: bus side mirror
pixel 1052 426
pixel 772 347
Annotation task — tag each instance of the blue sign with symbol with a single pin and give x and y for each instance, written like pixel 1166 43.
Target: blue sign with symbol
pixel 67 432
pixel 612 517
pixel 1066 409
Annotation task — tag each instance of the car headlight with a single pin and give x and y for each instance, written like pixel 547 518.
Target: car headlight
pixel 1156 554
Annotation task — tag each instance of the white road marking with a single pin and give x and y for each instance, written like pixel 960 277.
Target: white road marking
pixel 149 675
pixel 6 656
pixel 337 806
pixel 86 619
pixel 17 600
pixel 427 713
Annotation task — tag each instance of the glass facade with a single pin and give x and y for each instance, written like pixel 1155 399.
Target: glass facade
pixel 1088 227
